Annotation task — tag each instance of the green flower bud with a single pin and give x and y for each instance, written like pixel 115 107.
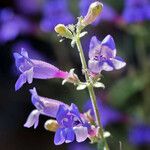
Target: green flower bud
pixel 93 12
pixel 63 31
pixel 51 125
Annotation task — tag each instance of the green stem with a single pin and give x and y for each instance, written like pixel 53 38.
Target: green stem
pixel 91 90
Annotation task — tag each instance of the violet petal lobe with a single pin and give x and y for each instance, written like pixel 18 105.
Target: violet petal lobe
pixel 61 114
pixel 109 42
pixel 81 133
pixel 69 135
pixel 118 63
pixel 33 119
pixel 94 47
pixel 21 80
pixel 59 137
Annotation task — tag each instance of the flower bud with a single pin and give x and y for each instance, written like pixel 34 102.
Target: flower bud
pixel 63 31
pixel 51 125
pixel 93 12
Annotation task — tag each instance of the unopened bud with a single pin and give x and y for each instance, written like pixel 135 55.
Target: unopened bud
pixel 63 31
pixel 93 12
pixel 51 125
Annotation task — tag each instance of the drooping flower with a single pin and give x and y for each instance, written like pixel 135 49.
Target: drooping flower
pixel 55 12
pixel 102 55
pixel 12 25
pixel 107 14
pixel 31 68
pixel 70 123
pixel 44 106
pixel 139 134
pixel 108 115
pixel 136 11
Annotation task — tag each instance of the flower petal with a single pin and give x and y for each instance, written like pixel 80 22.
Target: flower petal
pixel 109 42
pixel 81 133
pixel 33 119
pixel 24 53
pixel 118 63
pixel 74 110
pixel 94 47
pixel 59 137
pixel 106 65
pixel 21 80
pixel 69 135
pixel 61 114
pixel 30 75
pixel 93 66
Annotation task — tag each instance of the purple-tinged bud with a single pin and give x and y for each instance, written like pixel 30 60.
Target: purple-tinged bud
pixel 93 12
pixel 63 31
pixel 51 125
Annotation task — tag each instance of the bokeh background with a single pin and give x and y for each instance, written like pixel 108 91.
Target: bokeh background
pixel 126 98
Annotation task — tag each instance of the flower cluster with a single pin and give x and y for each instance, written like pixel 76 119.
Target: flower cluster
pixel 68 123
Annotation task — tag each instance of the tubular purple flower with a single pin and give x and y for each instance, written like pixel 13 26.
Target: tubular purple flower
pixel 71 125
pixel 45 106
pixel 31 68
pixel 103 55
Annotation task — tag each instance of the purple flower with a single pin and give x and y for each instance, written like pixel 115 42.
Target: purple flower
pixel 12 25
pixel 55 12
pixel 108 114
pixel 31 68
pixel 136 11
pixel 71 125
pixel 108 14
pixel 103 55
pixel 140 134
pixel 45 106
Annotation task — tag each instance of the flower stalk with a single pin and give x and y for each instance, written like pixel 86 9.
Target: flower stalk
pixel 90 89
